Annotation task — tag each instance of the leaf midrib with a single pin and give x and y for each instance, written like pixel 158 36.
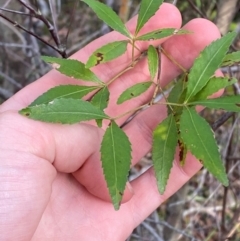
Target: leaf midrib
pixel 201 140
pixel 140 23
pixel 203 72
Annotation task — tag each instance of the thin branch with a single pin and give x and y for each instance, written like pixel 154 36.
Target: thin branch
pixel 11 80
pixel 17 25
pixel 222 120
pixel 51 29
pixel 197 9
pixel 71 20
pixel 16 12
pixel 53 13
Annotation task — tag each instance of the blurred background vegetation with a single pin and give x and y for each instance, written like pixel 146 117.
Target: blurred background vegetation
pixel 202 209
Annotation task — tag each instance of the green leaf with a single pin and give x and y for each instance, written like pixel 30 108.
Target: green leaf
pixel 147 9
pixel 177 95
pixel 116 161
pixel 134 91
pixel 207 63
pixel 100 100
pixel 153 61
pixel 107 15
pixel 63 91
pixel 231 59
pixel 73 68
pixel 161 33
pixel 199 139
pixel 65 111
pixel 229 103
pixel 107 53
pixel 164 145
pixel 214 84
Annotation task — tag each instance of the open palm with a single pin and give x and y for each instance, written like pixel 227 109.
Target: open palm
pixel 51 181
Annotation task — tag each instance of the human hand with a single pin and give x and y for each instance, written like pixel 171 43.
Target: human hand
pixel 51 181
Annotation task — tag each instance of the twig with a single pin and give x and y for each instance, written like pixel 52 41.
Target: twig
pixel 11 80
pixel 51 28
pixel 17 25
pixel 5 94
pixel 152 231
pixel 14 11
pixel 197 9
pixel 173 228
pixel 71 20
pixel 222 120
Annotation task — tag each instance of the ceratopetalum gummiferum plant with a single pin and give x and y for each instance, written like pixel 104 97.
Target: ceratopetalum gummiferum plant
pixel 183 127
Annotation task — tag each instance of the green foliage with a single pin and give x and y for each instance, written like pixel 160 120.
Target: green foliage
pixel 207 63
pixel 161 33
pixel 229 103
pixel 63 91
pixel 153 61
pixel 73 68
pixel 134 91
pixel 231 59
pixel 107 53
pixel 165 139
pixel 214 84
pixel 106 14
pixel 116 161
pixel 65 111
pixel 147 9
pixel 199 139
pixel 183 127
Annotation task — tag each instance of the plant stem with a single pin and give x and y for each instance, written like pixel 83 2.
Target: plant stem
pixel 173 60
pixel 128 112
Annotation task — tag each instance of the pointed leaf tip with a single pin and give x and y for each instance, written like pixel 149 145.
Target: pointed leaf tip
pixel 147 9
pixel 199 139
pixel 116 161
pixel 72 68
pixel 207 63
pixel 164 145
pixel 107 15
pixel 64 111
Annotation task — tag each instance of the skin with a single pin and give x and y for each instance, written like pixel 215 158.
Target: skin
pixel 52 186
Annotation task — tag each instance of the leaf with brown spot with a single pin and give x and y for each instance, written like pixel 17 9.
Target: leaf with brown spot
pixel 107 53
pixel 161 33
pixel 134 91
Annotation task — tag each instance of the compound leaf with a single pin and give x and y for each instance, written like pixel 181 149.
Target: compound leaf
pixel 73 68
pixel 161 33
pixel 164 145
pixel 63 91
pixel 107 53
pixel 231 59
pixel 229 103
pixel 214 84
pixel 199 139
pixel 64 111
pixel 116 161
pixel 207 63
pixel 147 9
pixel 134 91
pixel 107 15
pixel 153 61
